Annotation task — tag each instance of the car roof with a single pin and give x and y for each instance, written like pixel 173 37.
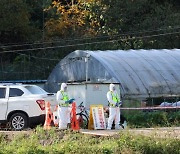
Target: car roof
pixel 14 85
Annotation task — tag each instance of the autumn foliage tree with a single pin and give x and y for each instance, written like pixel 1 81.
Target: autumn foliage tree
pixel 72 18
pixel 54 28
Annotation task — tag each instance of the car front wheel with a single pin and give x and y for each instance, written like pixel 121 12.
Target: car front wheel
pixel 18 121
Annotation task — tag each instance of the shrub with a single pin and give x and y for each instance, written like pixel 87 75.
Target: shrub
pixel 153 119
pixel 74 142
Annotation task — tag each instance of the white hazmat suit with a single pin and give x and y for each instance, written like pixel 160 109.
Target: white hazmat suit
pixel 114 110
pixel 64 108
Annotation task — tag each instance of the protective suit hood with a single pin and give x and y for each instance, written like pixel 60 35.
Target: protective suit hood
pixel 112 87
pixel 63 86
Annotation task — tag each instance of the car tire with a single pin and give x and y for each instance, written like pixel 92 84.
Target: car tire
pixel 18 121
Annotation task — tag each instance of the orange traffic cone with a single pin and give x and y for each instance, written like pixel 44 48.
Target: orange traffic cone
pixel 55 116
pixel 74 121
pixel 48 120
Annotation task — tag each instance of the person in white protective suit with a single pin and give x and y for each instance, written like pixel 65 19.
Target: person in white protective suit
pixel 114 104
pixel 64 106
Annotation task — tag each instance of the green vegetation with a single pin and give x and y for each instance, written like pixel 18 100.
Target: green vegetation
pixel 44 31
pixel 56 141
pixel 151 118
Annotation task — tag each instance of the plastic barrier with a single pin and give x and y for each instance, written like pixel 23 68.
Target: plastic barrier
pixel 74 121
pixel 149 108
pixel 49 116
pixel 55 116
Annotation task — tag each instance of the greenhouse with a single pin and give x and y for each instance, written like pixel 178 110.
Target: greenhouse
pixel 140 73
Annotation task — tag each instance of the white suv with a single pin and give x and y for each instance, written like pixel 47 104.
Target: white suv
pixel 23 106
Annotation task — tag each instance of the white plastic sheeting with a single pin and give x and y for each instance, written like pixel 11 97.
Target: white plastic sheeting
pixel 141 73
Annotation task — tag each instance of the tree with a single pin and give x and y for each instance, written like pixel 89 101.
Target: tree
pixel 70 18
pixel 14 24
pixel 137 17
pixel 83 25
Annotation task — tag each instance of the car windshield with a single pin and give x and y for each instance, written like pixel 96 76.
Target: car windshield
pixel 35 90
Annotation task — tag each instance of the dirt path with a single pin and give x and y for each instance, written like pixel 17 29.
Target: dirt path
pixel 165 132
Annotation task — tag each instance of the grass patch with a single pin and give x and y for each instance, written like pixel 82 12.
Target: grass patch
pixel 61 142
pixel 151 118
pixel 141 119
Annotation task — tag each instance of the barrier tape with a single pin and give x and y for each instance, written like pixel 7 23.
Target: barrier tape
pixel 150 108
pixel 145 108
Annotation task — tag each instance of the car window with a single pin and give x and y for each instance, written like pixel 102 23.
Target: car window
pixel 35 90
pixel 14 92
pixel 2 93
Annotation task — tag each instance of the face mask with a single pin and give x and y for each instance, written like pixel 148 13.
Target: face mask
pixel 65 88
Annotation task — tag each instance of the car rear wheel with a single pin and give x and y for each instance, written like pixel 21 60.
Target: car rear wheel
pixel 18 121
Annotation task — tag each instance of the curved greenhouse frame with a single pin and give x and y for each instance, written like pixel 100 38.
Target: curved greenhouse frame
pixel 140 73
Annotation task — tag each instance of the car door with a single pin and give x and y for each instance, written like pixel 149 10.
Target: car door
pixel 3 103
pixel 15 102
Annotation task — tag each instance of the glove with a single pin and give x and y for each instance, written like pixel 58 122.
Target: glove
pixel 120 103
pixel 117 105
pixel 71 101
pixel 67 102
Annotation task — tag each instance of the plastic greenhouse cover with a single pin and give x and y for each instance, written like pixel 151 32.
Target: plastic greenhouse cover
pixel 141 73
